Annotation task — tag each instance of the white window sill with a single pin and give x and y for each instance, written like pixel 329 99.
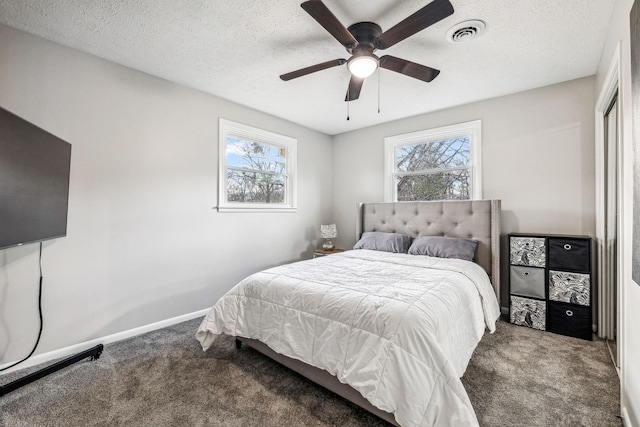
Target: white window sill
pixel 256 209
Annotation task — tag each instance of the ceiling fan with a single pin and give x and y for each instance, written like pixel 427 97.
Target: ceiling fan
pixel 362 39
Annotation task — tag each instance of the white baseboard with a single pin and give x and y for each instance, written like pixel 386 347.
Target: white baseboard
pixel 76 348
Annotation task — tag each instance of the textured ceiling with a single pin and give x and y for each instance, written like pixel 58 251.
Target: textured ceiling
pixel 237 49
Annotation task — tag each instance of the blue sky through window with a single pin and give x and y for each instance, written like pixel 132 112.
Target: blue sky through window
pixel 242 154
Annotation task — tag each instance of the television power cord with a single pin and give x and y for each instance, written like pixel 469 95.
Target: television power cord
pixel 39 313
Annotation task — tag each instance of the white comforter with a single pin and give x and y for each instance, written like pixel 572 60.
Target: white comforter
pixel 398 328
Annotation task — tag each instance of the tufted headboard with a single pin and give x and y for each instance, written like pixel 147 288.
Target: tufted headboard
pixel 467 219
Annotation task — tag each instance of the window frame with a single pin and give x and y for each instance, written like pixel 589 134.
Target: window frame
pixel 229 128
pixel 472 129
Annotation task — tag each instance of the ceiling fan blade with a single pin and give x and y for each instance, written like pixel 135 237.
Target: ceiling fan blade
pixel 408 68
pixel 328 20
pixel 312 69
pixel 435 11
pixel 355 85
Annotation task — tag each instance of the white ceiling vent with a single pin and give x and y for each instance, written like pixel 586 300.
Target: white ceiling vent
pixel 465 31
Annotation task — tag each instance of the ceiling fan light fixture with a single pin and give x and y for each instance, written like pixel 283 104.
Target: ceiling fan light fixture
pixel 362 66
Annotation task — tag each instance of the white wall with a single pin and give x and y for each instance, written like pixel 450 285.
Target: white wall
pixel 537 157
pixel 144 243
pixel 629 339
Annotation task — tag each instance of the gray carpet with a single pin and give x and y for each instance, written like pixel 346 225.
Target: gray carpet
pixel 517 376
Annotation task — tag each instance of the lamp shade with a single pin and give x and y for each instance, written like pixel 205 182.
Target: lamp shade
pixel 328 231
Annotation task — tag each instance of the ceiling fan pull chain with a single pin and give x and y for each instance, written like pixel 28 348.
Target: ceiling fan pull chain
pixel 348 98
pixel 378 90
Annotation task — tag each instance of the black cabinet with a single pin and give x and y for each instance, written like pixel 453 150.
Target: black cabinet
pixel 550 283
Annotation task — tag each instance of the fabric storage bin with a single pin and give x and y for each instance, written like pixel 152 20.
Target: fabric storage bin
pixel 569 254
pixel 528 312
pixel 571 320
pixel 574 288
pixel 528 251
pixel 527 281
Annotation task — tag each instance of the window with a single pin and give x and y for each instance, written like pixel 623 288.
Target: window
pixel 257 169
pixel 435 164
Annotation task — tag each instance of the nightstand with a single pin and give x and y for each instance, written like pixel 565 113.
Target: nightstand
pixel 324 252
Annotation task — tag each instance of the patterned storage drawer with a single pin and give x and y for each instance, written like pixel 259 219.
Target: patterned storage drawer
pixel 569 254
pixel 528 312
pixel 574 288
pixel 529 251
pixel 527 281
pixel 571 320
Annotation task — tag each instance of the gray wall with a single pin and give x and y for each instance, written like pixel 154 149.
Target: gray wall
pixel 537 157
pixel 143 243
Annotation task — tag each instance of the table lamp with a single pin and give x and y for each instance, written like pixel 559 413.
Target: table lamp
pixel 328 232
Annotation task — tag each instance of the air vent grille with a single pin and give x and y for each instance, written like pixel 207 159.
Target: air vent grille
pixel 465 31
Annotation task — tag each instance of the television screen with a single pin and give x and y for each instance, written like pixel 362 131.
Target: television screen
pixel 34 182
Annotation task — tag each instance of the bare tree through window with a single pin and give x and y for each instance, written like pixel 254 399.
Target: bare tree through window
pixel 438 170
pixel 256 172
pixel 257 169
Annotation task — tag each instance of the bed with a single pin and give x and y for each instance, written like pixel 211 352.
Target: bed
pixel 391 332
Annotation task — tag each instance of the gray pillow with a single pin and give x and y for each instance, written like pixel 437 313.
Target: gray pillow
pixel 387 242
pixel 444 247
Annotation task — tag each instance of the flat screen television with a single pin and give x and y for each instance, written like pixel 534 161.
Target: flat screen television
pixel 34 182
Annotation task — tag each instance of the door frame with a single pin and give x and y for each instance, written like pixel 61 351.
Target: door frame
pixel 610 87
